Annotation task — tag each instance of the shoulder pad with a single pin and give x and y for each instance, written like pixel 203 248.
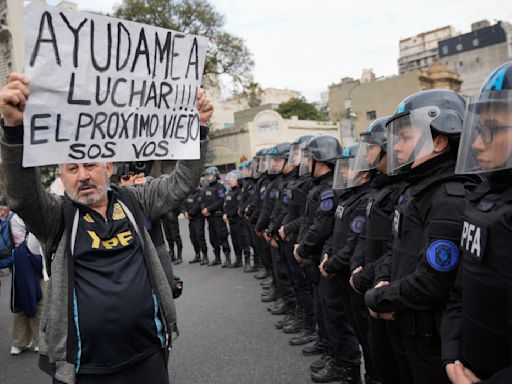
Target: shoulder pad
pixel 327 194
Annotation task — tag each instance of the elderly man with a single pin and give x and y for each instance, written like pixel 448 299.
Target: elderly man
pixel 109 312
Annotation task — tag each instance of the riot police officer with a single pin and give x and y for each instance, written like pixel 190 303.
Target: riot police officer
pixel 276 158
pixel 294 202
pixel 252 211
pixel 239 235
pixel 375 243
pixel 423 138
pixel 476 328
pixel 247 195
pixel 320 157
pixel 192 212
pixel 211 208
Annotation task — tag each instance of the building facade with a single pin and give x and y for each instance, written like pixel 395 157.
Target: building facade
pixel 259 128
pixel 476 54
pixel 355 104
pixel 420 51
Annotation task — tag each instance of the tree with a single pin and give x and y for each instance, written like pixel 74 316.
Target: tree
pixel 299 107
pixel 253 93
pixel 227 54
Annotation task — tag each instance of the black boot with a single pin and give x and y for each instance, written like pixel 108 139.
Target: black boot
pixel 204 258
pixel 248 268
pixel 284 309
pixel 332 371
pixel 196 259
pixel 262 274
pixel 320 363
pixel 316 349
pixel 238 262
pixel 179 258
pixel 285 321
pixel 307 335
pixel 352 374
pixel 227 263
pixel 297 325
pixel 215 261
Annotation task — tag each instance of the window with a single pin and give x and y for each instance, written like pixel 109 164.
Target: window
pixel 476 42
pixel 461 63
pixel 458 47
pixel 371 115
pixel 445 50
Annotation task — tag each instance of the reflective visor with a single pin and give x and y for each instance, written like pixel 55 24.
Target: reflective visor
pixel 409 139
pixel 368 155
pixel 306 163
pixel 263 164
pixel 276 165
pixel 486 140
pixel 295 154
pixel 346 174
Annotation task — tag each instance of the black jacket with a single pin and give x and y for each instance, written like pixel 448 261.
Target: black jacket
pixel 427 225
pixel 318 219
pixel 477 323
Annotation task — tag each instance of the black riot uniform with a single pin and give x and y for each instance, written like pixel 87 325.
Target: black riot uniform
pixel 345 250
pixel 213 199
pixel 172 234
pixel 280 255
pixel 427 225
pixel 379 218
pixel 294 200
pixel 477 323
pixel 192 206
pixel 253 211
pixel 247 196
pixel 239 234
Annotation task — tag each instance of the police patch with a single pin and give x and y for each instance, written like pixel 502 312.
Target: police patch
pixel 208 193
pixel 228 198
pixel 327 205
pixel 327 194
pixel 357 224
pixel 274 194
pixel 220 192
pixel 190 200
pixel 443 255
pixel 285 198
pixel 239 197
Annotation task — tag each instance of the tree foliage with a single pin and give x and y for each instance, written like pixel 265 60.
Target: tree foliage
pixel 227 54
pixel 301 108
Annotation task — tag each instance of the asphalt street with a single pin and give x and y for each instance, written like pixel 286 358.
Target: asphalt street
pixel 227 335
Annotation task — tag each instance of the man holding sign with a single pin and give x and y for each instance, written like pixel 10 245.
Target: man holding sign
pixel 109 313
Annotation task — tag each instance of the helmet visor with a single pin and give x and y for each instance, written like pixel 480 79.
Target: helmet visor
pixel 368 155
pixel 306 163
pixel 295 155
pixel 409 138
pixel 263 164
pixel 247 171
pixel 345 173
pixel 486 140
pixel 276 165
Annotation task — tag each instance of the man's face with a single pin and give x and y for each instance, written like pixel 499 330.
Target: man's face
pixel 232 182
pixel 4 211
pixel 211 178
pixel 493 145
pixel 372 154
pixel 278 165
pixel 86 183
pixel 405 145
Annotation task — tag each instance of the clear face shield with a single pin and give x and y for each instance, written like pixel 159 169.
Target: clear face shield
pixel 346 174
pixel 306 163
pixel 295 155
pixel 369 154
pixel 263 164
pixel 247 171
pixel 410 138
pixel 276 165
pixel 486 140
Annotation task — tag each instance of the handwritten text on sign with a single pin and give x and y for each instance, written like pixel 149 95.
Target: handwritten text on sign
pixel 105 89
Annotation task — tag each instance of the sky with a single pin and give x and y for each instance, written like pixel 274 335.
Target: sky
pixel 306 45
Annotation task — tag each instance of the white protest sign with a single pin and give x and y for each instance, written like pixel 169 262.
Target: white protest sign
pixel 105 89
